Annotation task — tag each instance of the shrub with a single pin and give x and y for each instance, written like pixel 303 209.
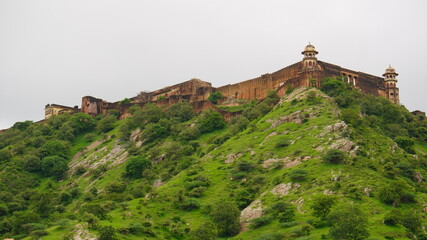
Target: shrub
pixel 298 175
pixel 182 111
pixel 226 216
pixel 215 96
pixel 90 137
pixel 205 231
pixel 284 211
pixel 334 156
pixel 107 233
pixel 83 122
pixel 190 204
pixel 189 133
pixel 393 217
pixel 270 236
pixel 348 222
pixel 412 221
pixel 106 123
pixel 210 120
pixel 55 147
pixel 322 205
pixel 261 221
pixel 333 86
pixel 54 166
pixel 136 165
pixel 406 144
pixel 5 155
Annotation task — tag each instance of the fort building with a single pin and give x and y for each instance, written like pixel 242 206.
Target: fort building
pixel 309 72
pixel 55 109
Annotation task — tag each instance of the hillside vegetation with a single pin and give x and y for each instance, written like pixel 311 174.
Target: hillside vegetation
pixel 329 164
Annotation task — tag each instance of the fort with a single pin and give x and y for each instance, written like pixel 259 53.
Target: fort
pixel 307 73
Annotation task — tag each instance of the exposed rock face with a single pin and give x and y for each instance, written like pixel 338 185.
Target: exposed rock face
pixel 230 158
pixel 111 157
pixel 254 210
pixel 158 183
pixel 80 232
pixel 135 136
pixel 418 177
pixel 284 188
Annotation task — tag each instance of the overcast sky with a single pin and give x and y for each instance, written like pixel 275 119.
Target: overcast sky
pixel 54 51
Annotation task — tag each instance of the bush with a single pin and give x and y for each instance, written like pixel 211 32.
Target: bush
pixel 182 111
pixel 393 217
pixel 5 155
pixel 348 222
pixel 333 86
pixel 270 236
pixel 226 216
pixel 83 122
pixel 90 137
pixel 136 165
pixel 55 147
pixel 322 205
pixel 334 156
pixel 54 166
pixel 106 124
pixel 412 221
pixel 406 144
pixel 261 221
pixel 210 120
pixel 190 204
pixel 107 233
pixel 284 211
pixel 215 96
pixel 298 175
pixel 205 231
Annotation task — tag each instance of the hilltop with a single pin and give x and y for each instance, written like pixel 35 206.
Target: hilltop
pixel 303 166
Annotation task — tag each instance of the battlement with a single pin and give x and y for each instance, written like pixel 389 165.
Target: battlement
pixel 307 73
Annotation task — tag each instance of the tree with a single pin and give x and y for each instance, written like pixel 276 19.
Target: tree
pixel 322 205
pixel 285 211
pixel 348 222
pixel 5 155
pixel 226 216
pixel 22 126
pixel 211 120
pixel 136 165
pixel 106 123
pixel 393 217
pixel 333 86
pixel 205 231
pixel 215 96
pixel 182 111
pixel 83 122
pixel 406 144
pixel 334 156
pixel 107 233
pixel 412 221
pixel 54 166
pixel 55 147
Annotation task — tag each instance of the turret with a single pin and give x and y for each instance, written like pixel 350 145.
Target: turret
pixel 310 60
pixel 390 82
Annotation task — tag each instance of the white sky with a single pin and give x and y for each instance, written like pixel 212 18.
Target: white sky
pixel 55 51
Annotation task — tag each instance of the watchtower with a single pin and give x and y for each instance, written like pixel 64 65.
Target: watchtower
pixel 390 81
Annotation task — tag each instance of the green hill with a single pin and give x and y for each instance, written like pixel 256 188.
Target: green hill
pixel 336 164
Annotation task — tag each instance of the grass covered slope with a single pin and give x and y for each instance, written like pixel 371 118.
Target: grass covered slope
pixel 314 166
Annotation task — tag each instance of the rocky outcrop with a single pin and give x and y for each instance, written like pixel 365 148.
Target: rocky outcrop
pixel 254 210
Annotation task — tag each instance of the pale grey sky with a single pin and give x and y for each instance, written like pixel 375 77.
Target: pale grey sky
pixel 56 51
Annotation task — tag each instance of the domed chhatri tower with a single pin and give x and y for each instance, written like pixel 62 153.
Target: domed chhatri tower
pixel 310 60
pixel 390 84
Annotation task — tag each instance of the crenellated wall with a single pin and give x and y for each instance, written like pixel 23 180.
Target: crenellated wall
pixel 196 91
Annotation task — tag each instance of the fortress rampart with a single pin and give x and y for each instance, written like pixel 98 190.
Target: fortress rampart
pixel 307 73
